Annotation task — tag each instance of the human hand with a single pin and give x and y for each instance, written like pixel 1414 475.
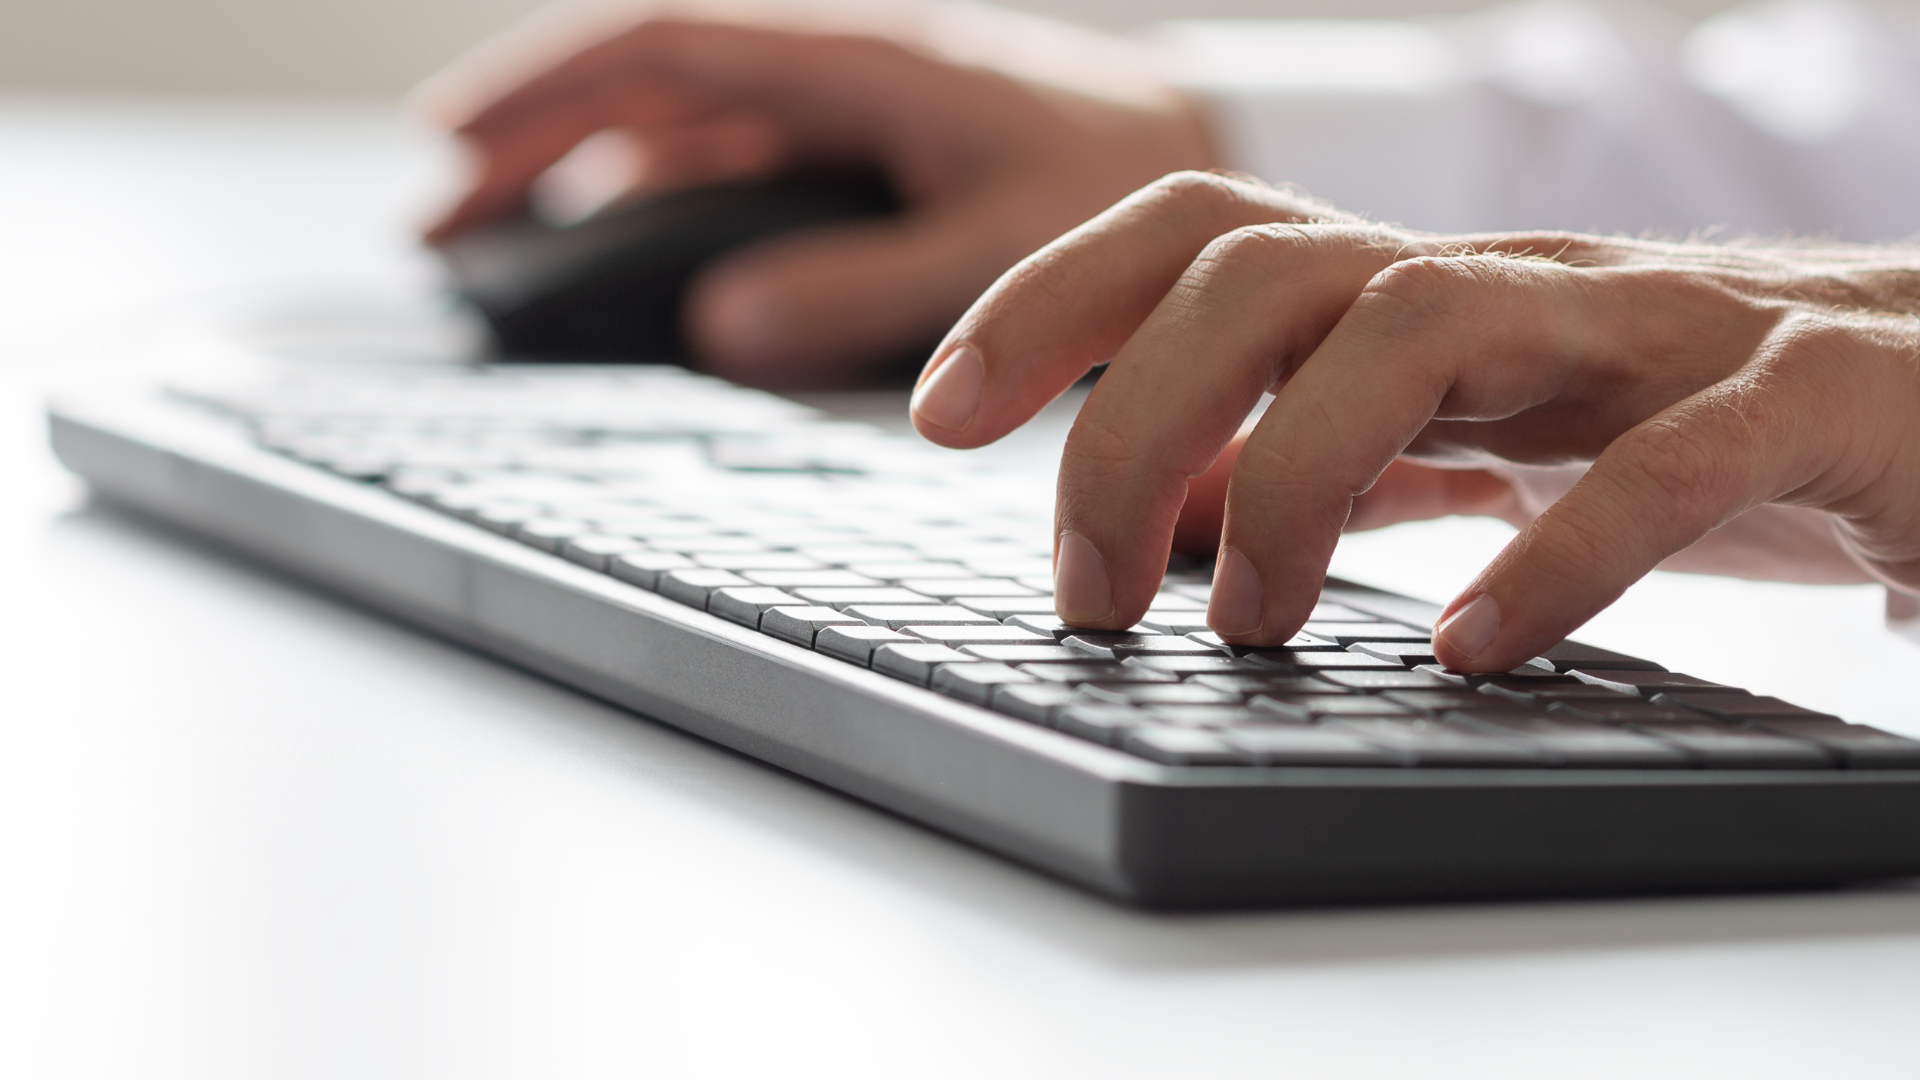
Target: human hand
pixel 1701 382
pixel 1000 131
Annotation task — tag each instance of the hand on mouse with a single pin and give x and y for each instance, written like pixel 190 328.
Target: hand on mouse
pixel 1703 383
pixel 1000 131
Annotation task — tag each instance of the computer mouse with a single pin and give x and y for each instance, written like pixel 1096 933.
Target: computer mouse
pixel 610 288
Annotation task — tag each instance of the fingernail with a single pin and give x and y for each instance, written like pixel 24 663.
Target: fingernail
pixel 951 395
pixel 1471 629
pixel 1082 592
pixel 1237 601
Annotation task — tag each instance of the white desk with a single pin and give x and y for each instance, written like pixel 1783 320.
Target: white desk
pixel 249 831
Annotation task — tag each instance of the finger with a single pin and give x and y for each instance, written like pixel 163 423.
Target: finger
pixel 1071 305
pixel 1544 357
pixel 665 72
pixel 1255 303
pixel 1408 491
pixel 1196 531
pixel 506 161
pixel 1657 490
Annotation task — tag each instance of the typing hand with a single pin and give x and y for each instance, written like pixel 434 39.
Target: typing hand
pixel 1701 382
pixel 999 131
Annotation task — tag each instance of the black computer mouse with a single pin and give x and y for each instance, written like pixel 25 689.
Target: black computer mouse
pixel 610 288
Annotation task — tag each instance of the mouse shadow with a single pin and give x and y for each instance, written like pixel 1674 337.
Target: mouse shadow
pixel 953 873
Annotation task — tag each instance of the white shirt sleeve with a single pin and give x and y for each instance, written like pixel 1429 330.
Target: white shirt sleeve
pixel 1793 116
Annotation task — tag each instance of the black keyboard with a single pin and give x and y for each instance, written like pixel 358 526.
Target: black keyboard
pixel 877 614
pixel 838 539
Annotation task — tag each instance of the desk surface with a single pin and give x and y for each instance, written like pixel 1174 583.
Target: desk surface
pixel 248 830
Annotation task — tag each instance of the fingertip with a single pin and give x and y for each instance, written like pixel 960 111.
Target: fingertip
pixel 948 397
pixel 1465 635
pixel 1236 604
pixel 1082 587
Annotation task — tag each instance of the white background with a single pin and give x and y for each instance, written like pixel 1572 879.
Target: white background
pixel 249 831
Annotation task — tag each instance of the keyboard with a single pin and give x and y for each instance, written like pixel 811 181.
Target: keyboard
pixel 877 615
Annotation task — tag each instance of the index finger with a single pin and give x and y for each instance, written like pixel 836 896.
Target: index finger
pixel 1071 305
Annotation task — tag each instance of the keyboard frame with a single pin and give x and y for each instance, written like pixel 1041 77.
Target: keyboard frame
pixel 1143 833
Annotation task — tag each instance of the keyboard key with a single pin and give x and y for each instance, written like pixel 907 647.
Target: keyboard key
pixel 1718 746
pixel 842 597
pixel 1264 683
pixel 915 662
pixel 1001 607
pixel 1435 742
pixel 1193 665
pixel 899 615
pixel 1107 725
pixel 1622 710
pixel 692 587
pixel 1297 643
pixel 975 682
pixel 1571 654
pixel 980 634
pixel 1038 703
pixel 1305 709
pixel 811 579
pixel 1534 693
pixel 745 604
pixel 1859 746
pixel 1203 714
pixel 1740 706
pixel 1103 643
pixel 1295 662
pixel 951 588
pixel 1009 568
pixel 1024 654
pixel 707 545
pixel 758 560
pixel 596 549
pixel 1155 694
pixel 846 555
pixel 1345 634
pixel 1568 741
pixel 1405 653
pixel 1385 680
pixel 1175 622
pixel 1648 683
pixel 1122 646
pixel 1096 671
pixel 899 571
pixel 1301 745
pixel 1178 746
pixel 800 625
pixel 1440 701
pixel 1050 625
pixel 548 534
pixel 1518 677
pixel 855 644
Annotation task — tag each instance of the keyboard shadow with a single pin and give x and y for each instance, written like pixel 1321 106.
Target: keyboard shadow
pixel 945 873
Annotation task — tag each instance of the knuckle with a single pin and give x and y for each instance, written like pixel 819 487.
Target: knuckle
pixel 1697 457
pixel 1419 295
pixel 1191 190
pixel 1208 199
pixel 1259 251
